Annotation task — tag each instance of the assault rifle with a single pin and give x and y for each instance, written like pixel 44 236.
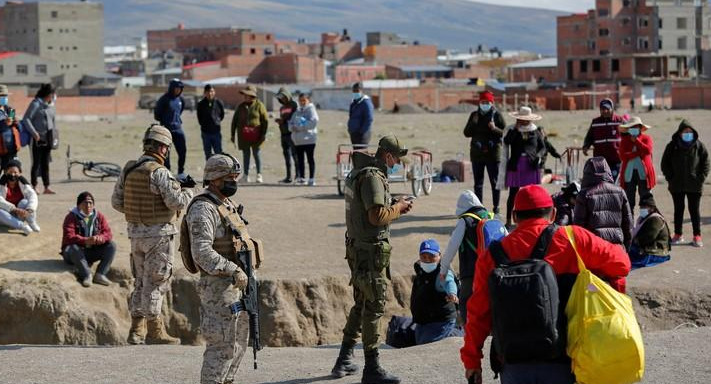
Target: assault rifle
pixel 250 302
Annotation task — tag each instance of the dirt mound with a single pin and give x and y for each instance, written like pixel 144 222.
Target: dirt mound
pixel 409 109
pixel 460 108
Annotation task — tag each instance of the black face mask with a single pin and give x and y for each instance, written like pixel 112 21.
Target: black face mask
pixel 229 188
pixel 13 177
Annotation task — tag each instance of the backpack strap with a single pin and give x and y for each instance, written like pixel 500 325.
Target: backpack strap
pixel 544 241
pixel 498 254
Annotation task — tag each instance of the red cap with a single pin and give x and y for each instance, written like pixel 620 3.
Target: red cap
pixel 532 197
pixel 486 96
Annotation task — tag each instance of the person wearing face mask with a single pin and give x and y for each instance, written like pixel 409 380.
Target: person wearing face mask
pixel 637 171
pixel 369 212
pixel 433 301
pixel 250 123
pixel 304 130
pixel 151 198
pixel 18 200
pixel 486 128
pixel 534 214
pixel 360 117
pixel 651 240
pixel 523 154
pixel 10 142
pixel 685 165
pixel 39 120
pixel 210 219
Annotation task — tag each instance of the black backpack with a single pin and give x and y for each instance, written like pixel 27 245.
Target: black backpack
pixel 401 332
pixel 525 305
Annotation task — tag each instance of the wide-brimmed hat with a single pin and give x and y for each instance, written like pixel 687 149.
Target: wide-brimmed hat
pixel 4 91
pixel 525 113
pixel 635 121
pixel 249 91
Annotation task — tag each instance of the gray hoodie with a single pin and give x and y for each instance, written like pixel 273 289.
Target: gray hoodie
pixel 303 125
pixel 467 200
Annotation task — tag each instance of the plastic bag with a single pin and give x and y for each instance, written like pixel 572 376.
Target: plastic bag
pixel 604 339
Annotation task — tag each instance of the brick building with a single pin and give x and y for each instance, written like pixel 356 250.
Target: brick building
pixel 349 74
pixel 543 69
pixel 401 54
pixel 288 68
pixel 166 39
pixel 337 48
pixel 215 45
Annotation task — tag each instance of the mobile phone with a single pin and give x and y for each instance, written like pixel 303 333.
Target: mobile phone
pixel 12 114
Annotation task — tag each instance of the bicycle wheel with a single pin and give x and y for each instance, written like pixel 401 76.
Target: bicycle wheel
pixel 102 170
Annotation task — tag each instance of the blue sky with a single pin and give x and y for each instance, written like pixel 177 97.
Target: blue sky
pixel 560 5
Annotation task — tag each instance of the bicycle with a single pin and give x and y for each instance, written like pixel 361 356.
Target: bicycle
pixel 92 169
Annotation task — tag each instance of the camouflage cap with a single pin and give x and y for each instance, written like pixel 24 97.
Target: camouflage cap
pixel 221 165
pixel 392 145
pixel 158 133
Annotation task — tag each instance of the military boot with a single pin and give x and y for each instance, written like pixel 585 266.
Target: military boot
pixel 137 333
pixel 373 373
pixel 157 333
pixel 345 364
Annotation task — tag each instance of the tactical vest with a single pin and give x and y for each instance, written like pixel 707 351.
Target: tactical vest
pixel 140 204
pixel 426 303
pixel 357 224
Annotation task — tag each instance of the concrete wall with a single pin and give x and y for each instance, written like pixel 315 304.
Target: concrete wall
pixel 9 75
pixel 518 75
pixel 122 104
pixel 349 74
pixel 688 96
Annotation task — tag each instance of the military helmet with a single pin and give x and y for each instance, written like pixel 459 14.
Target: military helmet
pixel 159 133
pixel 220 165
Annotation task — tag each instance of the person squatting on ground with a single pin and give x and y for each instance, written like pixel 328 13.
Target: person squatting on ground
pixel 210 113
pixel 39 120
pixel 150 197
pixel 463 240
pixel 433 301
pixel 250 124
pixel 86 239
pixel 637 171
pixel 534 213
pixel 304 130
pixel 486 128
pixel 522 157
pixel 167 112
pixel 369 212
pixel 360 117
pixel 564 202
pixel 18 200
pixel 222 279
pixel 685 165
pixel 601 206
pixel 604 136
pixel 10 142
pixel 288 107
pixel 651 240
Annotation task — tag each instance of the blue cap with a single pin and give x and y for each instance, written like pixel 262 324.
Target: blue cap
pixel 430 246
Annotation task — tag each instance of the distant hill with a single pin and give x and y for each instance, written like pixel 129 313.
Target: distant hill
pixel 447 23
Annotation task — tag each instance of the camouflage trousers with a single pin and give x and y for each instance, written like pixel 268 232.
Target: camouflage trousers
pixel 152 267
pixel 226 334
pixel 369 264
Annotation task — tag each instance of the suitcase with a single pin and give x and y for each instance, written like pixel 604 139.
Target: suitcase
pixel 458 169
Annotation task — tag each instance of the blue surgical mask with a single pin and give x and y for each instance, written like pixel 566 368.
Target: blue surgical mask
pixel 3 100
pixel 633 131
pixel 357 95
pixel 428 267
pixel 485 107
pixel 643 212
pixel 394 169
pixel 688 137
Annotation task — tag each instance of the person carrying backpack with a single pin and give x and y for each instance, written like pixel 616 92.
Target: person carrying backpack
pixel 464 240
pixel 511 316
pixel 9 130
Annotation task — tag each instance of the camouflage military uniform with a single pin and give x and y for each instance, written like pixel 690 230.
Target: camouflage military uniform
pixel 152 245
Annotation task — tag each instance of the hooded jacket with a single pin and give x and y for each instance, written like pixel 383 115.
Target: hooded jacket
pixel 303 125
pixel 652 235
pixel 286 110
pixel 169 107
pixel 210 114
pixel 467 202
pixel 360 115
pixel 249 115
pixel 27 192
pixel 601 206
pixel 685 166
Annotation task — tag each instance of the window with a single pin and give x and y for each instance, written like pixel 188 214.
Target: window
pixel 681 23
pixel 643 22
pixel 2 70
pixel 49 29
pixel 615 64
pixel 74 47
pixel 591 45
pixel 604 32
pixel 660 23
pixel 252 51
pixel 21 69
pixel 625 3
pixel 643 43
pixel 50 47
pixel 583 66
pixel 269 37
pixel 681 43
pixel 660 44
pixel 596 65
pixel 626 20
pixel 41 69
pixel 626 41
pixel 603 12
pixel 54 14
pixel 604 52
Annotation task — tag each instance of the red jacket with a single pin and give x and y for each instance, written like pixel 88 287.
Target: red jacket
pixel 71 233
pixel 642 148
pixel 602 258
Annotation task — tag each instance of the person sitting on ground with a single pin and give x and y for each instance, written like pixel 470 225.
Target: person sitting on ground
pixel 651 240
pixel 18 200
pixel 601 206
pixel 433 300
pixel 86 239
pixel 564 202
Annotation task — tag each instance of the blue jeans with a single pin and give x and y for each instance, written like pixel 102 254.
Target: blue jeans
pixel 82 258
pixel 8 220
pixel 537 373
pixel 431 332
pixel 211 143
pixel 246 156
pixel 179 144
pixel 360 140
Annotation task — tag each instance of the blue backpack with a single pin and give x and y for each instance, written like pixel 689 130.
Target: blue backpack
pixel 487 230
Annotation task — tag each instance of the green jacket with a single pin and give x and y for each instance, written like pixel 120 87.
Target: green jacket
pixel 685 166
pixel 652 236
pixel 254 115
pixel 486 142
pixel 366 187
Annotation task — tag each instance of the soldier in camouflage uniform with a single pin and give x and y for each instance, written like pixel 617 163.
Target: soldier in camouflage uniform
pixel 151 198
pixel 222 280
pixel 369 212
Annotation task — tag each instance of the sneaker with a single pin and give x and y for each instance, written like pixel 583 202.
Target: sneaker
pixel 101 279
pixel 312 182
pixel 181 176
pixel 86 282
pixel 300 181
pixel 26 229
pixel 697 242
pixel 260 180
pixel 286 180
pixel 33 224
pixel 249 178
pixel 677 240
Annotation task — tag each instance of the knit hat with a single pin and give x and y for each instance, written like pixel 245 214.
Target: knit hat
pixel 486 96
pixel 532 197
pixel 83 196
pixel 607 104
pixel 647 200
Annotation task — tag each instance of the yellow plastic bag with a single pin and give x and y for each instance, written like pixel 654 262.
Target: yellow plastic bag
pixel 604 339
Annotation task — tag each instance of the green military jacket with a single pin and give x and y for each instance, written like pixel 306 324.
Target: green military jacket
pixel 366 187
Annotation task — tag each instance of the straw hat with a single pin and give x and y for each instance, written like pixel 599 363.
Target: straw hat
pixel 633 122
pixel 249 91
pixel 525 113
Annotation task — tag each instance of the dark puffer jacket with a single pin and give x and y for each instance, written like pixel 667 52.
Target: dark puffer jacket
pixel 601 206
pixel 685 165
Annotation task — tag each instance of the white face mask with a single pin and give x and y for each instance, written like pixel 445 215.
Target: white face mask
pixel 428 267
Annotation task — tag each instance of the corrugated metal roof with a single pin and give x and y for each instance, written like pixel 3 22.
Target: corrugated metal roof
pixel 423 68
pixel 542 63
